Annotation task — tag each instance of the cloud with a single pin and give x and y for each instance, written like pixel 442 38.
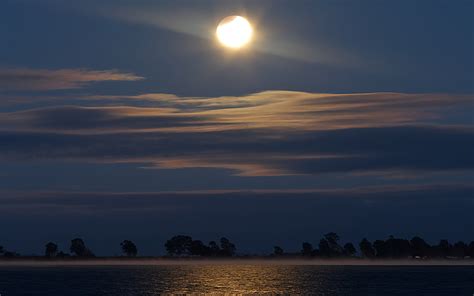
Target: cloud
pixel 409 148
pixel 267 133
pixel 43 79
pixel 90 120
pixel 282 111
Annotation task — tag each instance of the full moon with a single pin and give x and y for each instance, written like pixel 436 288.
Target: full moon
pixel 234 32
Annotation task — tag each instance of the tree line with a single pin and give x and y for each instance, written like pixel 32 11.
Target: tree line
pixel 185 245
pixel 77 249
pixel 329 246
pixel 391 248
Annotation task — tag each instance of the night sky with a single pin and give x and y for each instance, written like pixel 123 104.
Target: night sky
pixel 128 120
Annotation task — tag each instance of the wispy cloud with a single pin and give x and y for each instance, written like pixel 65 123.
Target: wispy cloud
pixel 44 79
pixel 279 112
pixel 268 133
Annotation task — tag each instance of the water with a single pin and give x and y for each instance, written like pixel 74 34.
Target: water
pixel 237 279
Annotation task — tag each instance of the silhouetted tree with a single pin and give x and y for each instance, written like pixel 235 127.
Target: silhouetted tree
pixel 381 249
pixel 197 248
pixel 51 249
pixel 277 251
pixel 129 248
pixel 419 247
pixel 392 248
pixel 227 248
pixel 332 239
pixel 182 244
pixel 214 249
pixel 366 249
pixel 307 249
pixel 178 245
pixel 460 249
pixel 329 246
pixel 349 250
pixel 79 248
pixel 398 248
pixel 324 249
pixel 444 248
pixel 470 250
pixel 2 250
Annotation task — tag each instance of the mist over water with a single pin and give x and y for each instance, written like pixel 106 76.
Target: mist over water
pixel 39 262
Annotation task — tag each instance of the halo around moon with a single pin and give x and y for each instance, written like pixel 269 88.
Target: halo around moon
pixel 234 32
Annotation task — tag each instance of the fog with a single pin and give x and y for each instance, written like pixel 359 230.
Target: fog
pixel 184 262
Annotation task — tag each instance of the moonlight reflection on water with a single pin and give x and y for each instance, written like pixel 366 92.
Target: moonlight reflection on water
pixel 241 279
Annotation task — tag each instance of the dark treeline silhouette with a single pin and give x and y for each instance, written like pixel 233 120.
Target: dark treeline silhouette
pixel 391 248
pixel 329 246
pixel 78 249
pixel 416 247
pixel 185 245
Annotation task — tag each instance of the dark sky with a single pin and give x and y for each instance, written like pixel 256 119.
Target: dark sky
pixel 127 120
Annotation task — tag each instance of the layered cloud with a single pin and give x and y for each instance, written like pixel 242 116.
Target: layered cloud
pixel 44 79
pixel 280 111
pixel 268 133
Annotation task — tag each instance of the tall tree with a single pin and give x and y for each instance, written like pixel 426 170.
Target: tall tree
pixel 214 249
pixel 444 248
pixel 366 249
pixel 51 249
pixel 470 251
pixel 398 248
pixel 227 248
pixel 129 248
pixel 349 250
pixel 419 247
pixel 178 245
pixel 324 248
pixel 335 250
pixel 381 249
pixel 460 249
pixel 198 248
pixel 79 248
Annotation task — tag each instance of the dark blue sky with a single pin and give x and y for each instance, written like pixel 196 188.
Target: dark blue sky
pixel 126 119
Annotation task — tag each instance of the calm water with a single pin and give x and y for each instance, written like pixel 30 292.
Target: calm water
pixel 237 279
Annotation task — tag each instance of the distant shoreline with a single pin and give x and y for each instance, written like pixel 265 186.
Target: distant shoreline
pixel 163 261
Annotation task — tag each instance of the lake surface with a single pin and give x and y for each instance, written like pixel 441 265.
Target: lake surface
pixel 237 279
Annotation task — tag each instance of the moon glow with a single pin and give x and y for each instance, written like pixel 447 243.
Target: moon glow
pixel 234 32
